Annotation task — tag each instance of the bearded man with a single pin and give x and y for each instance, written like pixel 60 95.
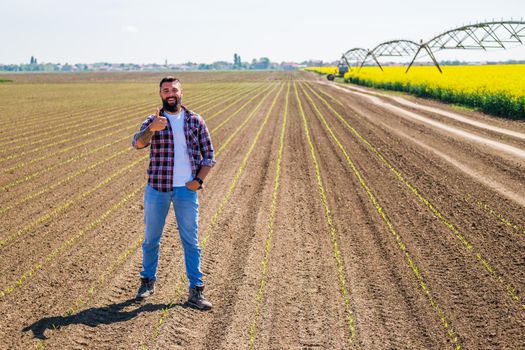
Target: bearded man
pixel 181 155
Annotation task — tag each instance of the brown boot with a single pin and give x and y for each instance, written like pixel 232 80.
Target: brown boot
pixel 147 288
pixel 197 298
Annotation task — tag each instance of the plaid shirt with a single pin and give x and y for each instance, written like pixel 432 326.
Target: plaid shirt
pixel 162 155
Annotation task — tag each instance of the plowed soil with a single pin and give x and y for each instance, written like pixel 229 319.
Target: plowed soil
pixel 336 217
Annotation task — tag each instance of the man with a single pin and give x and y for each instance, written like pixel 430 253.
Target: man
pixel 181 155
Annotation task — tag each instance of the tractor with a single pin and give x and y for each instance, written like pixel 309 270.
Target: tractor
pixel 342 68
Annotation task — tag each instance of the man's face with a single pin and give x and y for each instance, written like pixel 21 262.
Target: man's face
pixel 171 96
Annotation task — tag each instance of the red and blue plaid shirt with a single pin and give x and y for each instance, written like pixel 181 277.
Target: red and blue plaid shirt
pixel 162 154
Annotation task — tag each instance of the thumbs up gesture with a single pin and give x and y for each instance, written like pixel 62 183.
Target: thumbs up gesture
pixel 159 122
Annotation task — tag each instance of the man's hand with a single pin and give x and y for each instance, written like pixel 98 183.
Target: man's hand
pixel 143 138
pixel 194 185
pixel 158 123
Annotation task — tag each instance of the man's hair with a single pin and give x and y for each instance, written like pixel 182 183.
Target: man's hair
pixel 169 79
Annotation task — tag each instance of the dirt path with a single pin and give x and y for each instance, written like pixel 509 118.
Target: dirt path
pixel 329 222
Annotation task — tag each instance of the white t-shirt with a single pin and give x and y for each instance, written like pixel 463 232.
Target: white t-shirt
pixel 181 164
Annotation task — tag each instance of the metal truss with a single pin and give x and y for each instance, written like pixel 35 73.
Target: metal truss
pixel 392 48
pixel 479 36
pixel 488 35
pixel 356 54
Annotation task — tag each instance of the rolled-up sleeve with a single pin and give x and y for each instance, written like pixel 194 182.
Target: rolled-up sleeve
pixel 206 146
pixel 144 125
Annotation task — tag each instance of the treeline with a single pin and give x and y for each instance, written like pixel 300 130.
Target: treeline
pixel 466 63
pixel 43 67
pixel 237 64
pixel 262 63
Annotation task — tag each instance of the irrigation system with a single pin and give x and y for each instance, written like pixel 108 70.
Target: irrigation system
pixel 479 36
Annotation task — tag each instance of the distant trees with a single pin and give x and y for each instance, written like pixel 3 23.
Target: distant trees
pixel 262 63
pixel 33 65
pixel 236 61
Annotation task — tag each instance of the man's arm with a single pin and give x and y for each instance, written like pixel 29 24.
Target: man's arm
pixel 203 172
pixel 143 138
pixel 194 184
pixel 208 158
pixel 206 146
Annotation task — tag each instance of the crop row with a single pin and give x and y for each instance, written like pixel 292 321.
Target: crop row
pixel 342 276
pixel 496 273
pixel 271 220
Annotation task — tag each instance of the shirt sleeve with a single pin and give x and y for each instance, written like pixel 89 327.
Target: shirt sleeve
pixel 144 125
pixel 208 154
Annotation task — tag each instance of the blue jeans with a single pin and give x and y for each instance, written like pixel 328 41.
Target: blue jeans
pixel 186 206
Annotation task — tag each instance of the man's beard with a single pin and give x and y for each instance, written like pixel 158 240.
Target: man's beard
pixel 172 108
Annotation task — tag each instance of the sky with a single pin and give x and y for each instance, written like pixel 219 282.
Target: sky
pixel 204 31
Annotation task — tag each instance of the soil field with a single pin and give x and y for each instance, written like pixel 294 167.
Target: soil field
pixel 336 217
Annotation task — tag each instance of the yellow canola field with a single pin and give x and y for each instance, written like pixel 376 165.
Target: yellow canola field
pixel 494 89
pixel 323 70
